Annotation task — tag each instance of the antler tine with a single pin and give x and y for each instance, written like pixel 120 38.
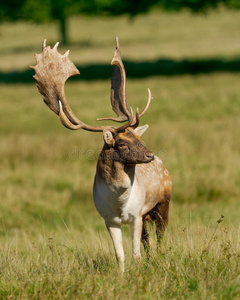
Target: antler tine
pixel 64 119
pixel 139 115
pixel 44 44
pixel 56 46
pixel 135 125
pixel 118 44
pixel 147 105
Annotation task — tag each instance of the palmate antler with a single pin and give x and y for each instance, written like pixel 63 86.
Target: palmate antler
pixel 52 71
pixel 118 90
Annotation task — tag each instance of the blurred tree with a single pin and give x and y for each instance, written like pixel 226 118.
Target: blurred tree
pixel 233 3
pixel 118 7
pixel 41 11
pixel 9 10
pixel 193 5
pixel 60 10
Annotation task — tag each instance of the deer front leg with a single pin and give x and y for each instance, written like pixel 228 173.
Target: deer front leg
pixel 136 231
pixel 116 235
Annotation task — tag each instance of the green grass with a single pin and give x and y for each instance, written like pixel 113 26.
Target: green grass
pixel 53 242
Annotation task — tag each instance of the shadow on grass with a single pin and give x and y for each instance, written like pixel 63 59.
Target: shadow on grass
pixel 160 67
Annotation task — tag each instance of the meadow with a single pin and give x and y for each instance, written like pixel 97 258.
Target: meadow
pixel 53 243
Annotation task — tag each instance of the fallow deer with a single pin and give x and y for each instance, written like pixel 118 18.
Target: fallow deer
pixel 131 184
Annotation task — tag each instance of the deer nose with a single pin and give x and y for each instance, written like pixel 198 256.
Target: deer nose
pixel 149 156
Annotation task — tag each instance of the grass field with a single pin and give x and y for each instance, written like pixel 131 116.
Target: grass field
pixel 54 245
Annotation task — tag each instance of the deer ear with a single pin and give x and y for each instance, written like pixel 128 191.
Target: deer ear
pixel 108 137
pixel 140 130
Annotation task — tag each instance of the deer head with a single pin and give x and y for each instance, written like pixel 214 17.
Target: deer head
pixel 126 147
pixel 52 71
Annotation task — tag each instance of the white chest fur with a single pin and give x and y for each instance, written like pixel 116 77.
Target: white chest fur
pixel 118 204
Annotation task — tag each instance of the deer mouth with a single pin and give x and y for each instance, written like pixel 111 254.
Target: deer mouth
pixel 148 157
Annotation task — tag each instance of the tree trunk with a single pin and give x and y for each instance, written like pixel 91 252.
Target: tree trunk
pixel 63 31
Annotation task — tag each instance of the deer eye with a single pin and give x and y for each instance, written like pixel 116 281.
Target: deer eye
pixel 121 145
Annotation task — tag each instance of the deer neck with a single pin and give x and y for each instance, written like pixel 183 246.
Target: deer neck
pixel 113 172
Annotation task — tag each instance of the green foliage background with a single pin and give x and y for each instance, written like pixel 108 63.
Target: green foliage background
pixel 41 11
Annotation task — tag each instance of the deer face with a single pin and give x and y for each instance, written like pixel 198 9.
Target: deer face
pixel 127 147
